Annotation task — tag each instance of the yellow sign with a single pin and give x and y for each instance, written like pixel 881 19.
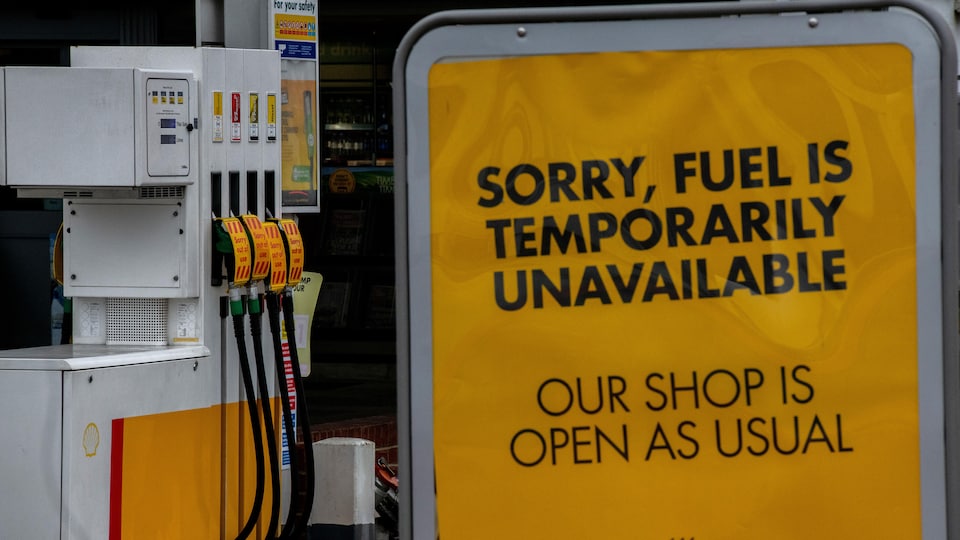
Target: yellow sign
pixel 278 257
pixel 295 27
pixel 674 295
pixel 305 295
pixel 295 254
pixel 241 250
pixel 261 246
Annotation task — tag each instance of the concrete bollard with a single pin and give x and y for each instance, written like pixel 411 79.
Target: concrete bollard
pixel 343 504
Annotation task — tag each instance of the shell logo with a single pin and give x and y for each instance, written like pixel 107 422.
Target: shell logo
pixel 91 439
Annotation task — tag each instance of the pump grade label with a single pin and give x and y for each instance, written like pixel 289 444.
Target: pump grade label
pixel 271 117
pixel 253 116
pixel 217 116
pixel 235 128
pixel 677 295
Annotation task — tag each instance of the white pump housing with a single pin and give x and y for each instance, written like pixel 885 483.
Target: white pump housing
pixel 115 128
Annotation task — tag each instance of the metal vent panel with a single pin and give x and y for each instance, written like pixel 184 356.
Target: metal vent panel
pixel 162 192
pixel 136 321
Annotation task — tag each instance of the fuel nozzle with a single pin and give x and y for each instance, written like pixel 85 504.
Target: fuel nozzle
pixel 260 269
pixel 275 285
pixel 260 264
pixel 236 302
pixel 293 251
pixel 286 235
pixel 232 245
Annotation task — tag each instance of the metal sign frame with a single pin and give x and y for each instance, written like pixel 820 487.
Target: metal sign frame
pixel 465 35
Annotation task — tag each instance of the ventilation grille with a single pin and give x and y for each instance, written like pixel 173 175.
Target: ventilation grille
pixel 77 194
pixel 136 321
pixel 162 192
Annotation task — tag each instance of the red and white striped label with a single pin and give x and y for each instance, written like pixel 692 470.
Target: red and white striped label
pixel 261 247
pixel 241 250
pixel 278 257
pixel 295 248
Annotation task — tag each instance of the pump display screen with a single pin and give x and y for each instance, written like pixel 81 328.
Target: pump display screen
pixel 168 122
pixel 168 139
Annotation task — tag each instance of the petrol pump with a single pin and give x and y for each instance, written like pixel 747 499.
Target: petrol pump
pixel 153 422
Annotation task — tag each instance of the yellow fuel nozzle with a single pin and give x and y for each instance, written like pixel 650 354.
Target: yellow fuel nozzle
pixel 293 248
pixel 261 247
pixel 231 241
pixel 260 267
pixel 278 257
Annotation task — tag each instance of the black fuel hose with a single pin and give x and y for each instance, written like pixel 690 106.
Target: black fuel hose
pixel 256 332
pixel 254 419
pixel 296 464
pixel 303 418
